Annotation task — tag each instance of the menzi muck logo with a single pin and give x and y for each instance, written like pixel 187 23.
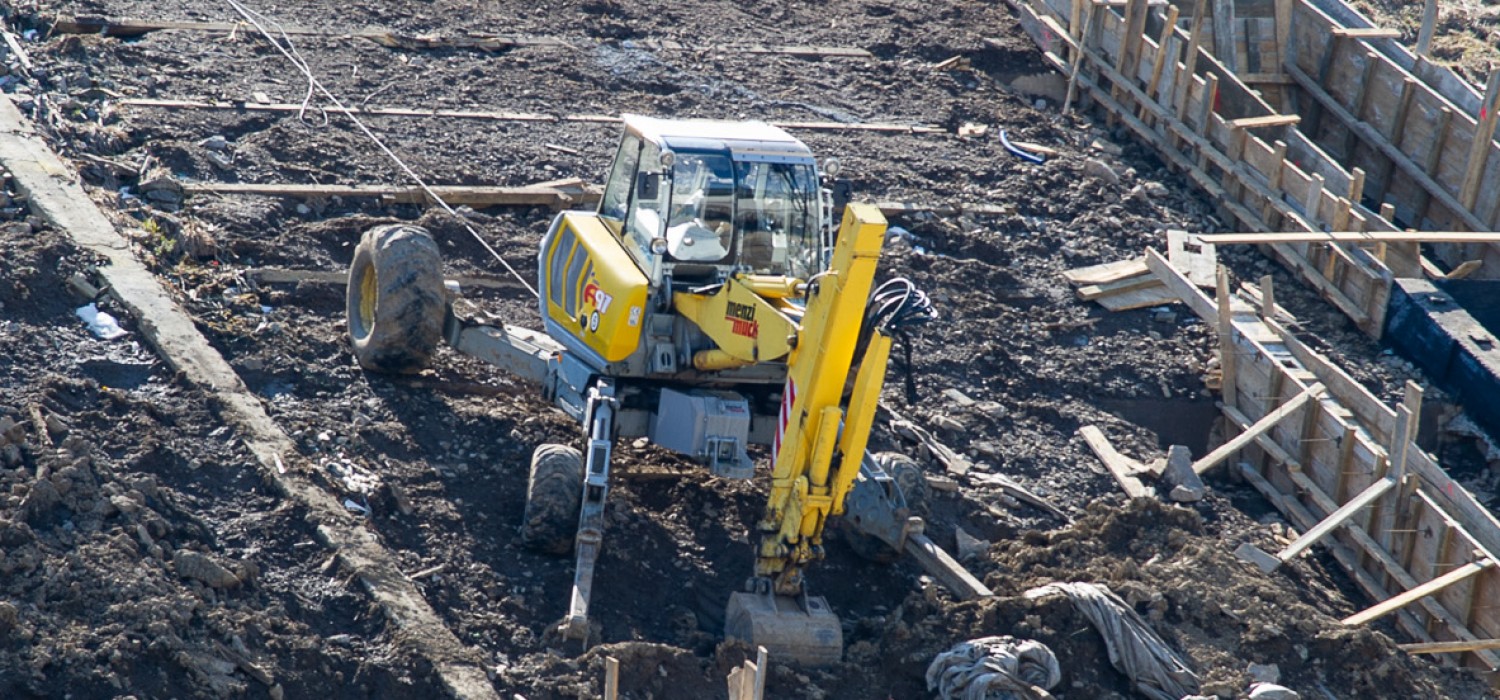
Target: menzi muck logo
pixel 741 319
pixel 601 299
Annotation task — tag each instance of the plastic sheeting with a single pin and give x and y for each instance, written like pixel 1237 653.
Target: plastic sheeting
pixel 1134 648
pixel 993 668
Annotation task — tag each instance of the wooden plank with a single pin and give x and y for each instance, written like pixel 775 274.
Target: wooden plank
pixel 1181 287
pixel 1253 79
pixel 1106 272
pixel 1449 647
pixel 1283 31
pixel 1224 34
pixel 1429 22
pixel 1137 299
pixel 1125 470
pixel 1422 591
pixel 1161 53
pixel 1268 120
pixel 1249 238
pixel 611 678
pixel 476 196
pixel 1095 291
pixel 1335 519
pixel 1266 423
pixel 1364 33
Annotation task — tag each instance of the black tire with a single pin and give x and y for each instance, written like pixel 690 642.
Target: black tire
pixel 394 301
pixel 913 486
pixel 554 495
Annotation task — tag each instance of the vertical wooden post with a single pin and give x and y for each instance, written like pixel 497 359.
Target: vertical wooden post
pixel 1278 171
pixel 1224 34
pixel 1267 298
pixel 1346 459
pixel 1082 39
pixel 1387 212
pixel 1314 200
pixel 1195 41
pixel 1205 117
pixel 1129 60
pixel 1161 58
pixel 1479 150
pixel 1429 22
pixel 1429 164
pixel 611 678
pixel 761 671
pixel 1283 33
pixel 1228 363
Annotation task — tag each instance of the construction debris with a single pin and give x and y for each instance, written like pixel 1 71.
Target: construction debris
pixel 994 668
pixel 1134 648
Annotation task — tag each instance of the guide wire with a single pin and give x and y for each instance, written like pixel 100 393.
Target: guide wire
pixel 259 21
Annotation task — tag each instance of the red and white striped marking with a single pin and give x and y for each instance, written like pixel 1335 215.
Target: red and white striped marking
pixel 788 397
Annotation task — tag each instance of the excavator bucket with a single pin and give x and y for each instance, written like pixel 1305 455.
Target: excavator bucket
pixel 801 629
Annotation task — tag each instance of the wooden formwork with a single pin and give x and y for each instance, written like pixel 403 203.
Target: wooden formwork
pixel 1205 86
pixel 1424 548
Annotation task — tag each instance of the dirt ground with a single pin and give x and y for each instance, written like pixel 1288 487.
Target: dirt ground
pixel 143 555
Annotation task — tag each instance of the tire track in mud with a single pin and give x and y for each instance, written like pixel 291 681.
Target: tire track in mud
pixel 56 196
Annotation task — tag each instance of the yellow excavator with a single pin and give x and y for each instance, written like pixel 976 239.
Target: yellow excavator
pixel 708 304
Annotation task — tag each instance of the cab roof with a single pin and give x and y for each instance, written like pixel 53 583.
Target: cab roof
pixel 737 137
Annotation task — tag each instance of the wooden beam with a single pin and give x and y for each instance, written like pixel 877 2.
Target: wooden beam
pixel 611 678
pixel 1228 361
pixel 1449 647
pixel 501 116
pixel 1429 22
pixel 475 196
pixel 1268 120
pixel 1266 423
pixel 1181 286
pixel 1195 40
pixel 1283 13
pixel 1249 238
pixel 1480 147
pixel 1402 600
pixel 1335 519
pixel 1366 32
pixel 1124 469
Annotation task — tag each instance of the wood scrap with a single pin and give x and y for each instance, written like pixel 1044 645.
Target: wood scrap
pixel 1197 260
pixel 1105 273
pixel 1127 471
pixel 1138 299
pixel 1092 292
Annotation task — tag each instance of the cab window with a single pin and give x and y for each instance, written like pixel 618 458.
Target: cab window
pixel 621 178
pixel 701 226
pixel 777 218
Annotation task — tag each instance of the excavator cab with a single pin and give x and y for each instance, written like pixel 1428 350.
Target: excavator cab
pixel 694 203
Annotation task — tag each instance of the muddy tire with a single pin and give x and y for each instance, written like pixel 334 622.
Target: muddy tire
pixel 913 485
pixel 395 299
pixel 554 494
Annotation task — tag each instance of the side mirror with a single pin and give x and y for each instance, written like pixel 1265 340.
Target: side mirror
pixel 647 186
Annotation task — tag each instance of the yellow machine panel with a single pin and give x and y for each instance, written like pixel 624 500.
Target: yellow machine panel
pixel 594 288
pixel 746 326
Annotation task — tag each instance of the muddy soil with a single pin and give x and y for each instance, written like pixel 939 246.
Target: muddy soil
pixel 142 554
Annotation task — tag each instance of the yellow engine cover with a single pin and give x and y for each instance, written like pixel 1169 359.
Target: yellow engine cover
pixel 593 287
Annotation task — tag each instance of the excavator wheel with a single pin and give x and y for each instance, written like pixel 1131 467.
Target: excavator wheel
pixel 554 494
pixel 913 486
pixel 395 299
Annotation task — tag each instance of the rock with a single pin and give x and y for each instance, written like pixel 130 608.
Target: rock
pixel 948 423
pixel 11 455
pixel 217 142
pixel 1264 673
pixel 958 398
pixel 8 617
pixel 1187 486
pixel 15 534
pixel 1271 691
pixel 1165 316
pixel 198 566
pixel 992 409
pixel 41 499
pixel 969 546
pixel 1155 189
pixel 1094 167
pixel 11 431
